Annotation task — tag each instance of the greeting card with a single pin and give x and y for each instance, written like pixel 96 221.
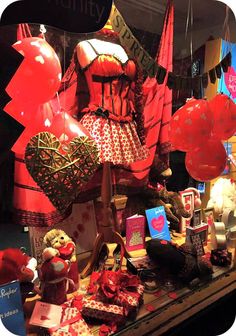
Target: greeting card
pixel 135 232
pixel 157 223
pixel 46 315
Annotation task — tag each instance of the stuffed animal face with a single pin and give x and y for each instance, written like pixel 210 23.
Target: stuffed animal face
pixel 56 238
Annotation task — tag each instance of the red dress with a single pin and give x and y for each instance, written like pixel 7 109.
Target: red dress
pixel 109 116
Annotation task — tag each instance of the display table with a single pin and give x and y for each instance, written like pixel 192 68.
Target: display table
pixel 170 312
pixel 165 309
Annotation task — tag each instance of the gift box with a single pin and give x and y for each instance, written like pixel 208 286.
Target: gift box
pixel 221 258
pixel 72 324
pixel 122 289
pixel 107 313
pixel 131 301
pixel 201 230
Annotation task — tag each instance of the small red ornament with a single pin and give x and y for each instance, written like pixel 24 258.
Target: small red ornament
pixel 150 307
pixel 224 116
pixel 172 295
pixel 38 78
pixel 191 125
pixel 208 162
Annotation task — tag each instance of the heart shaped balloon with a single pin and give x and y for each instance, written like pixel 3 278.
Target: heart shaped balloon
pixel 224 116
pixel 191 125
pixel 61 171
pixel 208 162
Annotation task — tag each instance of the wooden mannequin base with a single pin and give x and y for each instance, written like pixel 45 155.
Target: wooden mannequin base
pixel 106 236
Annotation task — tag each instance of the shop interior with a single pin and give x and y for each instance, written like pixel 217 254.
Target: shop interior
pixel 118 174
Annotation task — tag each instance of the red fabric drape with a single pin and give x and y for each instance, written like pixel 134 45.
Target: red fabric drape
pixel 158 107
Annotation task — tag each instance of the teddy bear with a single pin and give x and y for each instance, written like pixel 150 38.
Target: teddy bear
pixel 53 274
pixel 223 196
pixel 152 197
pixel 66 248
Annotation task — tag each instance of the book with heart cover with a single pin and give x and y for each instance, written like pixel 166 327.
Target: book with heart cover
pixel 135 232
pixel 157 223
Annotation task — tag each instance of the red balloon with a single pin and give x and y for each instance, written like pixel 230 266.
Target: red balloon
pixel 191 125
pixel 38 77
pixel 208 162
pixel 224 116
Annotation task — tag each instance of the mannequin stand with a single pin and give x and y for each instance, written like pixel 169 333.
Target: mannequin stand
pixel 106 234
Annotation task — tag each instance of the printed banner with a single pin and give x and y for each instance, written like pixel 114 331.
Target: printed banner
pixel 227 83
pixel 11 310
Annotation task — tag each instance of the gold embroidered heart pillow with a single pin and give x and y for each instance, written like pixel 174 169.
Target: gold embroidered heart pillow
pixel 61 170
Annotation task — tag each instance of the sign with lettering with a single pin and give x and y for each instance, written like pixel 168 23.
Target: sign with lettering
pixel 227 82
pixel 77 16
pixel 11 311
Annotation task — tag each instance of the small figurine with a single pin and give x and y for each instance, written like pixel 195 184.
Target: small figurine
pixel 60 241
pixel 54 277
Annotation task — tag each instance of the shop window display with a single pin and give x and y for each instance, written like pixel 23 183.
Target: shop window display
pixel 117 91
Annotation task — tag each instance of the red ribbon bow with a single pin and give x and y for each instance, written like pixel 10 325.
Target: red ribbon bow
pixel 112 283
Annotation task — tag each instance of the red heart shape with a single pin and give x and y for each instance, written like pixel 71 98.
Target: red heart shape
pixel 158 223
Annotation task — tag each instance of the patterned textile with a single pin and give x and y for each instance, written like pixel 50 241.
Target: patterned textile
pixel 119 142
pixel 103 312
pixel 72 324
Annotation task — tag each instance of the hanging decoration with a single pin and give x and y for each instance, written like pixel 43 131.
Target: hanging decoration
pixel 38 78
pixel 224 117
pixel 207 162
pixel 61 171
pixel 149 65
pixel 191 125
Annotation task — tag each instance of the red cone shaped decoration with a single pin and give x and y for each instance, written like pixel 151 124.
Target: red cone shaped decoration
pixel 65 127
pixel 38 78
pixel 191 125
pixel 38 119
pixel 224 116
pixel 208 162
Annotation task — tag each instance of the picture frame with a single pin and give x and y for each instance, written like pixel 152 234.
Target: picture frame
pixel 196 218
pixel 187 198
pixel 209 216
